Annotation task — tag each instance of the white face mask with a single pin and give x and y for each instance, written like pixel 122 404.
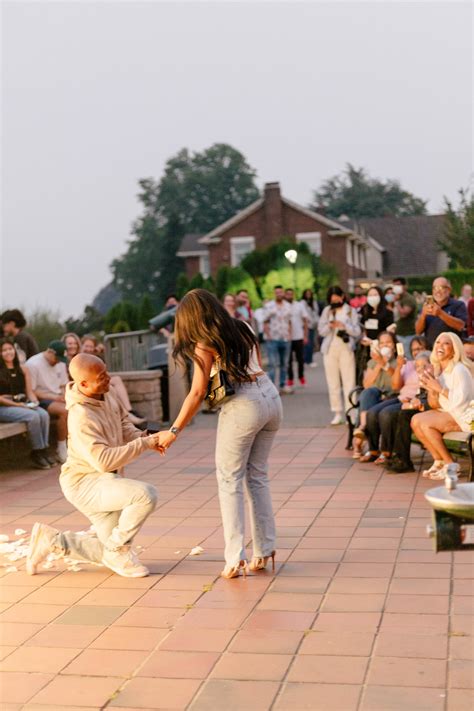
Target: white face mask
pixel 398 289
pixel 386 351
pixel 373 300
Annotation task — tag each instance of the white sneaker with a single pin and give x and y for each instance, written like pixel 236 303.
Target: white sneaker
pixel 124 562
pixel 41 545
pixel 435 467
pixel 61 451
pixel 337 419
pixel 313 364
pixel 287 389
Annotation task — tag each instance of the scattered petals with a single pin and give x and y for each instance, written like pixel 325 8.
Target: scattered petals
pixel 11 569
pixel 196 551
pixel 4 538
pixel 20 532
pixel 177 552
pixel 48 565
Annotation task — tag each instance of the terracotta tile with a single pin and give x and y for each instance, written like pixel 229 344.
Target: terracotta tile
pixel 279 620
pixel 348 621
pixel 316 555
pixel 334 602
pixel 318 697
pixel 238 695
pixel 170 598
pixel 463 570
pixel 179 665
pixel 461 674
pixel 370 556
pixel 289 601
pixel 55 596
pixel 112 597
pixel 129 638
pixel 197 640
pixel 461 647
pixel 422 570
pixel 70 636
pixel 395 671
pixel 311 570
pixel 97 662
pixel 10 593
pixel 5 650
pixel 157 693
pixel 463 587
pixel 337 643
pixel 416 623
pixel 371 570
pixel 394 698
pixel 300 585
pixel 359 586
pixel 460 700
pixel 78 691
pixel 94 615
pixel 323 669
pixel 39 659
pixel 149 617
pixel 15 633
pixel 462 605
pixel 213 619
pixel 405 586
pixel 257 667
pixel 19 687
pixel 431 604
pixel 115 581
pixel 401 644
pixel 22 612
pixel 266 641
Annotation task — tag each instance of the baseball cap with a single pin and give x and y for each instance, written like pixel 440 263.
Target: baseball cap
pixel 59 348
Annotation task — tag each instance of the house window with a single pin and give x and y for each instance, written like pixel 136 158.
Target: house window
pixel 349 259
pixel 239 248
pixel 204 265
pixel 313 240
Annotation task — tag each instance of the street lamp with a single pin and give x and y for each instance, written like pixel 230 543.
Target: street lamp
pixel 292 256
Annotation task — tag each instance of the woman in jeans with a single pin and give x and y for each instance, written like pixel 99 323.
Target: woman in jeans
pixel 248 422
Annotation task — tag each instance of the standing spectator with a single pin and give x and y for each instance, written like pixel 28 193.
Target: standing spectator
pixel 259 316
pixel 299 337
pixel 339 326
pixel 375 318
pixel 13 324
pixel 389 296
pixel 359 299
pixel 243 306
pixel 441 313
pixel 18 403
pixel 311 308
pixel 49 378
pixel 406 309
pixel 277 328
pixel 230 304
pixel 466 293
pixel 470 317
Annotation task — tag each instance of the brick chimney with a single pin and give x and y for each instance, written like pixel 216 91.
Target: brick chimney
pixel 273 213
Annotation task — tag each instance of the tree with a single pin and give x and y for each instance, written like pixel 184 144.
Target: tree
pixel 458 238
pixel 355 194
pixel 45 326
pixel 197 192
pixel 91 321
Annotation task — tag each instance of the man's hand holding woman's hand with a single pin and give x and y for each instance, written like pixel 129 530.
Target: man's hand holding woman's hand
pixel 161 441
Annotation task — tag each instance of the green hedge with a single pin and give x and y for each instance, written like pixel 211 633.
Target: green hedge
pixel 457 277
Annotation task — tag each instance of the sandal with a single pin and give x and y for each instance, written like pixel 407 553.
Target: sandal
pixel 233 571
pixel 369 457
pixel 261 563
pixel 382 460
pixel 435 467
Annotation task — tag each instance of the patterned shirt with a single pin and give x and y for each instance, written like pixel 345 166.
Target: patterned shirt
pixel 278 318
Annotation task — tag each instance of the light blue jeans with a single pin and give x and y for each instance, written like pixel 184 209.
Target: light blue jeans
pixel 37 422
pixel 117 508
pixel 245 433
pixel 278 353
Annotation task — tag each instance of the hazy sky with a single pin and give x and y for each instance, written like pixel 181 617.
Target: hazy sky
pixel 99 94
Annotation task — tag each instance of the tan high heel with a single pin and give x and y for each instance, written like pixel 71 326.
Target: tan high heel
pixel 261 563
pixel 230 572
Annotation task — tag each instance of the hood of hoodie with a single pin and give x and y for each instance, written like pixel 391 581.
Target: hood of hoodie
pixel 74 396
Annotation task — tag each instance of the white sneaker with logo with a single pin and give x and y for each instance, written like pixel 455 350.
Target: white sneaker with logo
pixel 124 562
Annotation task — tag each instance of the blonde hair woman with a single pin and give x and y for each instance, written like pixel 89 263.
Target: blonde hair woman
pixel 450 390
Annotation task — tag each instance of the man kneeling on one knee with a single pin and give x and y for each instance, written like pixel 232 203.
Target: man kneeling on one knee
pixel 102 440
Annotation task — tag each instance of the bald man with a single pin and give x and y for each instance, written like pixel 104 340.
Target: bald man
pixel 444 314
pixel 102 440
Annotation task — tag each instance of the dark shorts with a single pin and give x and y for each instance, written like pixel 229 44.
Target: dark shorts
pixel 45 404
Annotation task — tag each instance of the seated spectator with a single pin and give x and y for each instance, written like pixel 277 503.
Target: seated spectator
pixel 92 346
pixel 450 391
pixel 441 313
pixel 375 318
pixel 377 384
pixel 468 347
pixel 406 310
pixel 13 324
pixel 380 418
pixel 359 299
pixel 18 403
pixel 73 345
pixel 470 317
pixel 400 462
pixel 49 378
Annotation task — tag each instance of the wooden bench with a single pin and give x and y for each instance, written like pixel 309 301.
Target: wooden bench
pixel 11 429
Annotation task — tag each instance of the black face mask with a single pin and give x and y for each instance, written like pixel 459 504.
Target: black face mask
pixel 335 304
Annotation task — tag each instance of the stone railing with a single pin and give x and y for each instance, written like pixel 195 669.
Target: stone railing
pixel 144 391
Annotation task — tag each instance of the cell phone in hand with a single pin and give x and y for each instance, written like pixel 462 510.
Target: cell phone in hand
pixel 400 349
pixel 429 300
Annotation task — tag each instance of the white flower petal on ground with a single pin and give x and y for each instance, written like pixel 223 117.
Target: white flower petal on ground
pixel 20 532
pixel 4 537
pixel 196 551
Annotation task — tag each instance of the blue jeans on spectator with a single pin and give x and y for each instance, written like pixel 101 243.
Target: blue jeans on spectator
pixel 368 398
pixel 278 353
pixel 379 423
pixel 36 421
pixel 309 347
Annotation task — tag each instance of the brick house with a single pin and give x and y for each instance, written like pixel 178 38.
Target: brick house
pixel 270 218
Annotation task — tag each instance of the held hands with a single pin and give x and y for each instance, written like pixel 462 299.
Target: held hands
pixel 431 309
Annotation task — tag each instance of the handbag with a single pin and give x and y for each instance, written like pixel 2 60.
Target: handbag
pixel 219 389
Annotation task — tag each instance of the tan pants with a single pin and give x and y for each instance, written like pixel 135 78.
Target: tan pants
pixel 339 366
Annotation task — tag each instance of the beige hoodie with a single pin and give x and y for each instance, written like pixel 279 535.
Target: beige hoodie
pixel 101 437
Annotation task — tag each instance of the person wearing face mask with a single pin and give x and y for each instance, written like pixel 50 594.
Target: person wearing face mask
pixel 389 298
pixel 441 313
pixel 377 387
pixel 375 318
pixel 339 326
pixel 406 309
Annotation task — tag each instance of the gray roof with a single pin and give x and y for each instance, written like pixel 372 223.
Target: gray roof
pixel 410 243
pixel 190 246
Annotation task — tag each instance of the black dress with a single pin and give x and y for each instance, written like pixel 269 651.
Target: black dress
pixel 12 382
pixel 374 322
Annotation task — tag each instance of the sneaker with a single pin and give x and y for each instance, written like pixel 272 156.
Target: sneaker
pixel 290 383
pixel 337 419
pixel 287 389
pixel 124 562
pixel 303 381
pixel 313 364
pixel 435 467
pixel 39 460
pixel 42 541
pixel 61 451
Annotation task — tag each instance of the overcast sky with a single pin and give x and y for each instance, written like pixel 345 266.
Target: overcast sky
pixel 99 94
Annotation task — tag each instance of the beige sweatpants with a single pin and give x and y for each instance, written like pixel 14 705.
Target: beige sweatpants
pixel 339 366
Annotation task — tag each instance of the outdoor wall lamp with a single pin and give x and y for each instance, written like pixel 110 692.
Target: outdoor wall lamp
pixel 291 255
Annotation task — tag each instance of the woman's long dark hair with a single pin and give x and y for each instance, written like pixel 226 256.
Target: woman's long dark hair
pixel 16 362
pixel 367 310
pixel 201 318
pixel 336 291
